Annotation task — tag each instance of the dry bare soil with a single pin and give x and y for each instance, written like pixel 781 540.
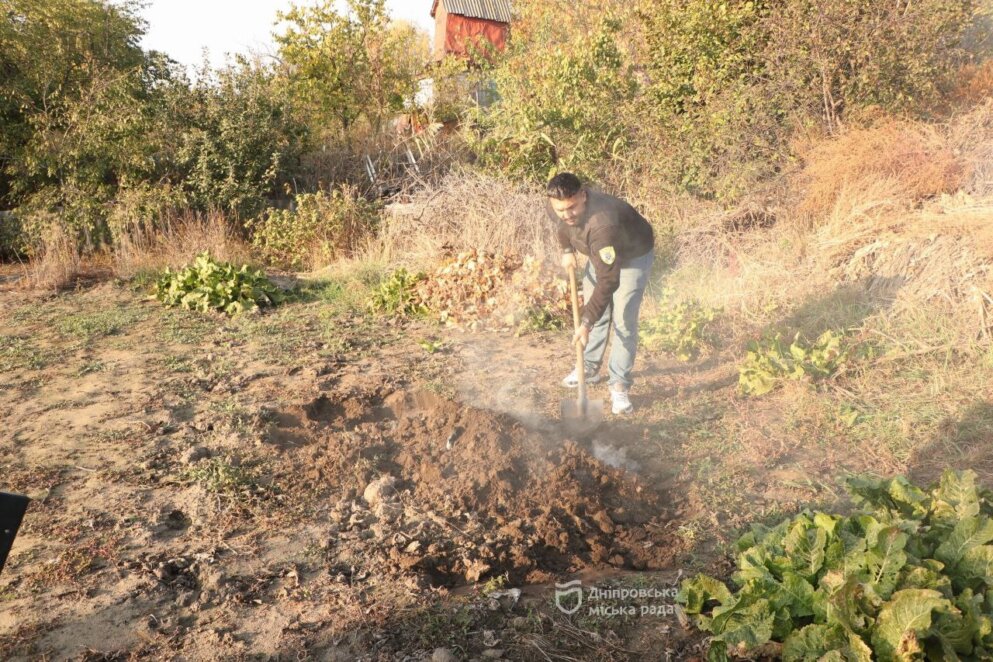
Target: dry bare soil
pixel 317 483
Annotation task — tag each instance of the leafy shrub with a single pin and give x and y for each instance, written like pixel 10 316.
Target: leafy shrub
pixel 905 578
pixel 211 285
pixel 730 82
pixel 319 228
pixel 558 107
pixel 397 295
pixel 12 240
pixel 767 362
pixel 233 137
pixel 143 210
pixel 679 328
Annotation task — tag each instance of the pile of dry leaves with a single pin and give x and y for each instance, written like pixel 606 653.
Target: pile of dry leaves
pixel 477 289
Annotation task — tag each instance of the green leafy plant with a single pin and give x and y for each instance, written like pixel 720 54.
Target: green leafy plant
pixel 431 346
pixel 906 577
pixel 557 107
pixel 768 362
pixel 541 318
pixel 210 285
pixel 221 477
pixel 397 295
pixel 679 328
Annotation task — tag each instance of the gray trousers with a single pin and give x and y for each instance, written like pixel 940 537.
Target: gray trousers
pixel 622 314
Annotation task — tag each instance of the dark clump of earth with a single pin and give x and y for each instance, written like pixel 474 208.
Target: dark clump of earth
pixel 447 494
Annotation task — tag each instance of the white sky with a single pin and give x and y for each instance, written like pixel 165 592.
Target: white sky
pixel 184 28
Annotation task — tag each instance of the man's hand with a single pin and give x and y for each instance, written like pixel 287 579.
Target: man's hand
pixel 582 336
pixel 569 261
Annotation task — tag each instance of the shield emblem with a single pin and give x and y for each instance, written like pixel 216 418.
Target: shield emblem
pixel 607 254
pixel 569 596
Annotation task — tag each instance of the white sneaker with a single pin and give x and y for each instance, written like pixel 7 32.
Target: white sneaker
pixel 572 379
pixel 620 403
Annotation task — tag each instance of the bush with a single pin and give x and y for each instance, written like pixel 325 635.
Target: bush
pixel 234 138
pixel 12 240
pixel 321 227
pixel 678 329
pixel 904 578
pixel 731 82
pixel 558 107
pixel 768 363
pixel 209 285
pixel 143 209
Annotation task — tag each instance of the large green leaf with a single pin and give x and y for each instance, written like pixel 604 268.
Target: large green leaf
pixel 968 533
pixel 896 494
pixel 959 630
pixel 826 522
pixel 927 575
pixel 845 606
pixel 695 593
pixel 745 625
pixel 800 595
pixel 904 619
pixel 805 544
pixel 885 560
pixel 956 497
pixel 977 565
pixel 825 643
pixel 813 642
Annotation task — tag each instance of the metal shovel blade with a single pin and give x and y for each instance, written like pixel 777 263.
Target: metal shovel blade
pixel 582 417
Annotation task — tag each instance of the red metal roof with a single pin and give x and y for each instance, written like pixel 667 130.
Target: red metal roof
pixel 490 10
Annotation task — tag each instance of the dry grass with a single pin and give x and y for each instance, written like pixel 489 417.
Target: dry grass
pixel 467 211
pixel 897 215
pixel 975 84
pixel 56 264
pixel 971 136
pixel 175 242
pixel 893 159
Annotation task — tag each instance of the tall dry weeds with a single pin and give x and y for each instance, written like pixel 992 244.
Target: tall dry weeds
pixel 971 136
pixel 175 241
pixel 899 215
pixel 467 211
pixel 975 84
pixel 56 262
pixel 911 161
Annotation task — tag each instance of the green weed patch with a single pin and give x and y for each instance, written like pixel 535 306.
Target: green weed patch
pixel 210 285
pixel 769 362
pixel 679 328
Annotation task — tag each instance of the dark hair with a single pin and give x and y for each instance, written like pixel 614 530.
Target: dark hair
pixel 563 186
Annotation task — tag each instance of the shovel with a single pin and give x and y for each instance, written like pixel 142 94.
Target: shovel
pixel 580 416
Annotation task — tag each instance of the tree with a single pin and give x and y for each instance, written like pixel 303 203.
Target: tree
pixel 50 51
pixel 350 66
pixel 236 137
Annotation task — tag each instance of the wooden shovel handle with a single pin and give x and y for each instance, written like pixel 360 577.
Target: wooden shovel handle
pixel 580 363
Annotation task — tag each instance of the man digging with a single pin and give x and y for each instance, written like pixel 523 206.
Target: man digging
pixel 619 243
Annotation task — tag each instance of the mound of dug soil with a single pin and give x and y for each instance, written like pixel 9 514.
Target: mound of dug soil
pixel 445 494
